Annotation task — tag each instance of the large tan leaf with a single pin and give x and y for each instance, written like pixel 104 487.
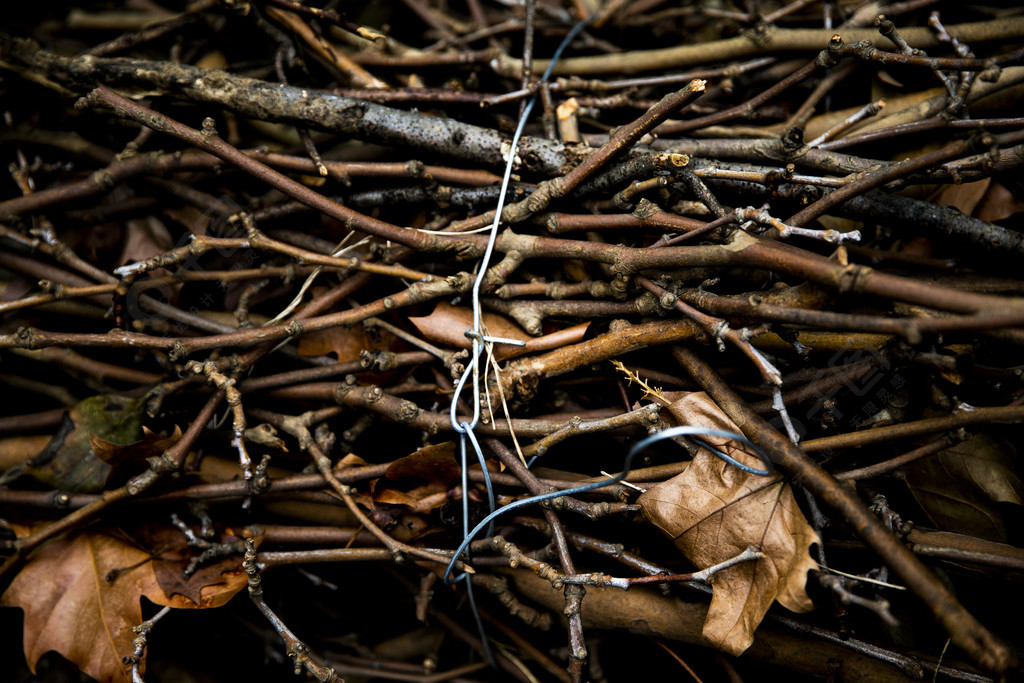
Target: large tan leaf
pixel 714 510
pixel 81 597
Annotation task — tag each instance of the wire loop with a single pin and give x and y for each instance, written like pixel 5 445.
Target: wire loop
pixel 638 447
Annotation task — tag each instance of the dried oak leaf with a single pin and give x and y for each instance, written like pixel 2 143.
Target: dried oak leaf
pixel 211 585
pixel 81 597
pixel 714 510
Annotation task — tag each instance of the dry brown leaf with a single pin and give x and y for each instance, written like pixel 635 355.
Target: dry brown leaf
pixel 965 196
pixel 714 510
pixel 349 460
pixel 448 324
pixel 419 500
pixel 199 222
pixel 959 488
pixel 71 606
pixel 211 585
pixel 346 342
pixel 985 199
pixel 413 485
pixel 19 449
pixel 151 445
pixel 420 481
pixel 146 238
pixel 998 204
pixel 394 497
pixel 81 597
pixel 433 463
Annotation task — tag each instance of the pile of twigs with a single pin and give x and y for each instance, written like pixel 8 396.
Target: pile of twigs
pixel 270 225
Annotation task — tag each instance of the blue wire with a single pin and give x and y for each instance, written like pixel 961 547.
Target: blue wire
pixel 462 427
pixel 473 365
pixel 487 478
pixel 637 448
pixel 465 486
pixel 767 471
pixel 488 655
pixel 465 429
pixel 573 32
